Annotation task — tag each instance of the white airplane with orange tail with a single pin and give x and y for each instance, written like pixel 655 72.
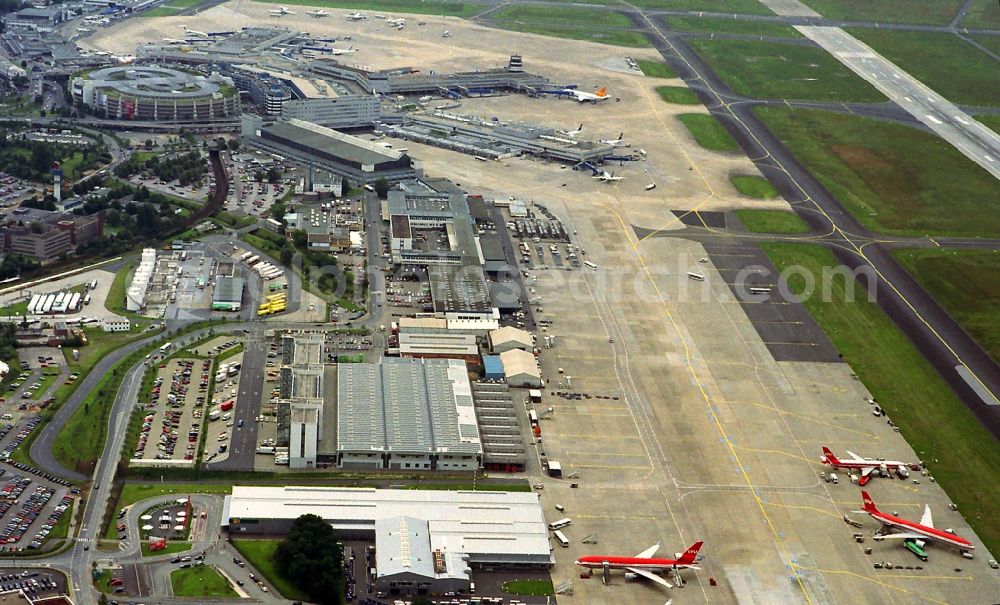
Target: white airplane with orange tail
pixel 866 466
pixel 583 96
pixel 911 532
pixel 643 564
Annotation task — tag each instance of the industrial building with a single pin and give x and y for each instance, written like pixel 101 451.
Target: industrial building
pixel 356 159
pixel 135 297
pixel 152 92
pixel 302 348
pixel 436 345
pixel 228 294
pixel 53 234
pixel 406 414
pixel 426 541
pixel 509 337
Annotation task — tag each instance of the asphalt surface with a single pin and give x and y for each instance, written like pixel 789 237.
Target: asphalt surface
pixel 243 441
pixel 975 141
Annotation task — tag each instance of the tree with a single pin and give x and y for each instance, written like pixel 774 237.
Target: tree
pixel 300 238
pixel 234 144
pixel 273 175
pixel 149 143
pixel 311 558
pixel 381 187
pixel 421 600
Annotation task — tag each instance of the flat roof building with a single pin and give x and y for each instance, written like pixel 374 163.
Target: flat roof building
pixel 358 160
pixel 438 345
pixel 512 536
pixel 406 414
pixel 228 293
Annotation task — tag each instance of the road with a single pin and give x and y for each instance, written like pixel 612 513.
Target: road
pixel 975 141
pixel 243 444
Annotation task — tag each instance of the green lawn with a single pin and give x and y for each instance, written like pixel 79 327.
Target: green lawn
pixel 590 24
pixel 733 26
pixel 115 302
pixel 15 310
pixel 679 95
pixel 424 7
pixel 948 64
pixel 983 14
pixel 258 554
pixel 893 178
pixel 888 11
pixel 966 283
pixel 992 43
pixel 771 70
pixel 771 221
pixel 536 588
pixel 656 69
pixel 200 581
pixel 135 492
pixel 746 7
pixel 160 11
pixel 962 455
pixel 754 186
pixel 707 131
pixel 170 549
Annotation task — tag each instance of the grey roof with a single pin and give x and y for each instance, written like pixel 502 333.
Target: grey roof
pixel 458 288
pixel 404 546
pixel 228 290
pixel 342 145
pixel 406 406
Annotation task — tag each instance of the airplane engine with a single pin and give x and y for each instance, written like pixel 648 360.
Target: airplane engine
pixel 630 576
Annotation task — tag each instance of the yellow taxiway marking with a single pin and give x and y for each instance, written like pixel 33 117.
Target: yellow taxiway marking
pixel 801 507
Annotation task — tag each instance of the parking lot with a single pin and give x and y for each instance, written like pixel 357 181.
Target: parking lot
pixel 31 504
pixel 34 583
pixel 175 409
pixel 247 195
pixel 221 414
pixel 12 189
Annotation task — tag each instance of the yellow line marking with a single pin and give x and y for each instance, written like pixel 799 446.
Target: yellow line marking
pixel 604 454
pixel 801 507
pixel 582 436
pixel 614 466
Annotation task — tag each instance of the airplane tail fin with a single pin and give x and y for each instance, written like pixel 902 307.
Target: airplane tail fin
pixel 868 502
pixel 689 555
pixel 580 127
pixel 602 91
pixel 829 456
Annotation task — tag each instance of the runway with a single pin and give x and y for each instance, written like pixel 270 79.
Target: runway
pixel 975 141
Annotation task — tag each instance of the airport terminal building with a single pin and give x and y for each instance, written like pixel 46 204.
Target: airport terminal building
pixel 426 541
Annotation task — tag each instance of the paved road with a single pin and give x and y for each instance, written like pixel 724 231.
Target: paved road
pixel 243 442
pixel 975 141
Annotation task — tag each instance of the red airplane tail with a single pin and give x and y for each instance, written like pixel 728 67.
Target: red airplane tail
pixel 868 502
pixel 689 555
pixel 830 458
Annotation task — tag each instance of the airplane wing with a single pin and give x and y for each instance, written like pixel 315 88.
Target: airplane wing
pixel 904 536
pixel 927 520
pixel 649 552
pixel 854 456
pixel 867 471
pixel 650 576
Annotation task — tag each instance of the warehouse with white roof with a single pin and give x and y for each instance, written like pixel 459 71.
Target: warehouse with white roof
pixel 425 540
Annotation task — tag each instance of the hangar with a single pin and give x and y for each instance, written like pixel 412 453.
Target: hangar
pixel 425 540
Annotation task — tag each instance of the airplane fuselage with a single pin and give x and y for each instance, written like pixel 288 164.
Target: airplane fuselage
pixel 931 533
pixel 654 565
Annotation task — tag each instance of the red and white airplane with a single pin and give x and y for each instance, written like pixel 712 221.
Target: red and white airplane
pixel 867 466
pixel 643 564
pixel 910 530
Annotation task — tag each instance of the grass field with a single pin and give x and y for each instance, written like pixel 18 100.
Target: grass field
pixel 983 14
pixel 536 588
pixel 771 221
pixel 590 24
pixel 892 178
pixel 200 581
pixel 992 43
pixel 754 186
pixel 677 94
pixel 990 121
pixel 656 69
pixel 948 64
pixel 888 11
pixel 708 132
pixel 746 7
pixel 15 310
pixel 135 492
pixel 258 554
pixel 170 549
pixel 771 70
pixel 423 7
pixel 963 457
pixel 966 283
pixel 732 26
